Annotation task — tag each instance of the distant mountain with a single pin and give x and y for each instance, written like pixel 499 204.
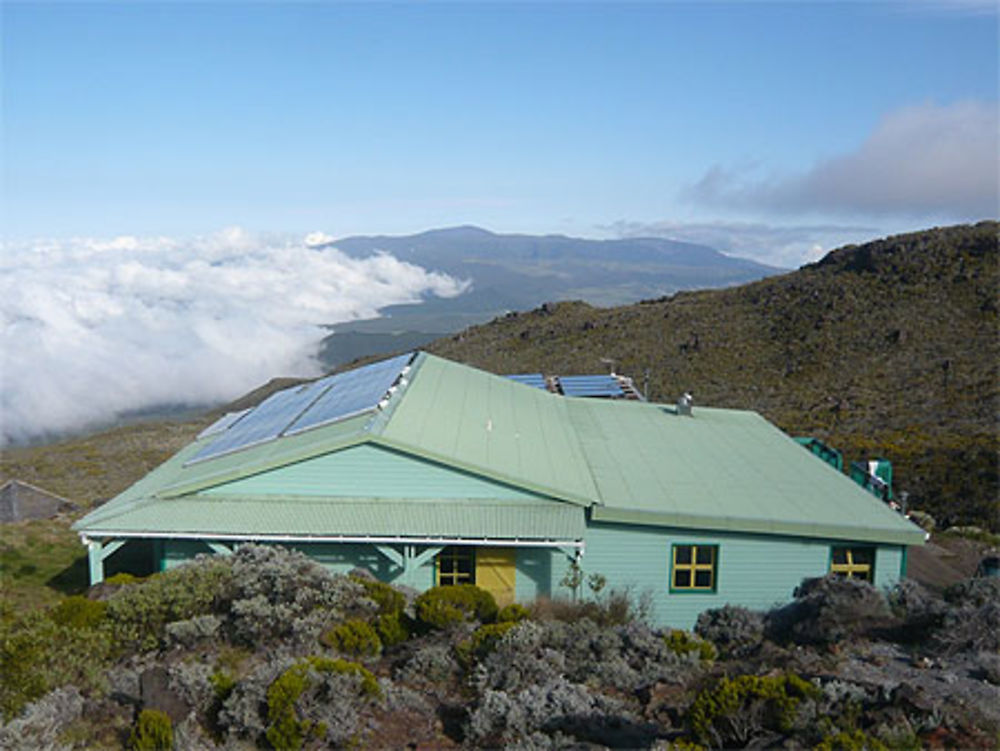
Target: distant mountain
pixel 888 348
pixel 515 272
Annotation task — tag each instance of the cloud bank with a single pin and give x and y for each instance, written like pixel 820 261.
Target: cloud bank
pixel 941 161
pixel 96 328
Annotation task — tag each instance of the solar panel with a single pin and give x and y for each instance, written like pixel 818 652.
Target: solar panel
pixel 537 380
pixel 351 393
pixel 223 423
pixel 266 421
pixel 590 385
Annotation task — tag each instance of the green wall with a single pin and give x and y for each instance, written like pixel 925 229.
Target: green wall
pixel 369 471
pixel 755 571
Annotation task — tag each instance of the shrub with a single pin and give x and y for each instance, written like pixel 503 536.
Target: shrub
pixel 828 609
pixel 393 628
pixel 734 630
pixel 77 611
pixel 353 637
pixel 287 727
pixel 139 613
pixel 434 664
pixel 682 642
pixel 555 714
pixel 856 740
pixel 281 594
pixel 616 608
pixel 193 631
pixel 737 710
pixel 153 732
pixel 482 641
pixel 41 722
pixel 37 654
pixel 388 599
pixel 512 613
pixel 442 607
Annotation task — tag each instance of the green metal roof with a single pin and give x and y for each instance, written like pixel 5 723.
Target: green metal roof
pixel 205 516
pixel 629 462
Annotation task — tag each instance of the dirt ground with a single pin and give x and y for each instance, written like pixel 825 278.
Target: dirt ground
pixel 944 560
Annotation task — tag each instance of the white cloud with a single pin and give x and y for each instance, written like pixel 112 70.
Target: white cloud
pixel 927 160
pixel 782 246
pixel 93 328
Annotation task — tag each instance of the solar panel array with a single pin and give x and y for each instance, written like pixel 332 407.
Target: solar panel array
pixel 536 380
pixel 223 423
pixel 303 407
pixel 591 385
pixel 351 393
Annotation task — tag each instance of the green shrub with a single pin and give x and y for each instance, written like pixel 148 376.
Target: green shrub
pixel 482 642
pixel 856 740
pixel 121 579
pixel 388 599
pixel 682 642
pixel 512 613
pixel 286 730
pixel 153 732
pixel 353 637
pixel 736 710
pixel 78 612
pixel 442 607
pixel 37 655
pixel 393 628
pixel 138 614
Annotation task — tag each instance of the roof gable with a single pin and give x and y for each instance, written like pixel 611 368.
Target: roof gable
pixel 370 471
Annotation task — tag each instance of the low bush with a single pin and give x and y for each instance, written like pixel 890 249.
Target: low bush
pixel 153 732
pixel 443 607
pixel 77 611
pixel 290 725
pixel 827 610
pixel 354 637
pixel 855 740
pixel 139 613
pixel 736 711
pixel 615 608
pixel 37 655
pixel 513 613
pixel 393 628
pixel 388 599
pixel 482 641
pixel 682 643
pixel 735 631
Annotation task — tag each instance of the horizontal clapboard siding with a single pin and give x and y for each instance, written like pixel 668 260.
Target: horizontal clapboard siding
pixel 370 472
pixel 755 571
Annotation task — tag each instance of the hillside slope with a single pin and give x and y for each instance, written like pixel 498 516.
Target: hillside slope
pixel 886 348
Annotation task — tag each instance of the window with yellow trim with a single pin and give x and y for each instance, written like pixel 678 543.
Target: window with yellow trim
pixel 694 568
pixel 456 564
pixel 853 563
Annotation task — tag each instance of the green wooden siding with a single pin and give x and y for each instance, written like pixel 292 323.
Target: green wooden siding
pixel 755 571
pixel 176 552
pixel 370 471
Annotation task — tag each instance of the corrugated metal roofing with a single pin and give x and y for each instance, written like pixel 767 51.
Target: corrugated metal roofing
pixel 204 516
pixel 633 462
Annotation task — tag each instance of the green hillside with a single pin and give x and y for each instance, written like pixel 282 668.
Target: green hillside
pixel 889 348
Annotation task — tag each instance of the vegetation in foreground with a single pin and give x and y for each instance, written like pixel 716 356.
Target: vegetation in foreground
pixel 266 649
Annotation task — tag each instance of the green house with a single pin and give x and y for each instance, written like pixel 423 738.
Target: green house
pixel 424 471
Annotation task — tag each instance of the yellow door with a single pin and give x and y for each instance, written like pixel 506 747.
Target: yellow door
pixel 496 573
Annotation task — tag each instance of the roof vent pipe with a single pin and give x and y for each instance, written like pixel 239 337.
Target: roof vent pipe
pixel 685 403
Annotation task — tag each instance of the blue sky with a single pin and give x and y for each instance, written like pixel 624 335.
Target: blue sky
pixel 167 168
pixel 763 128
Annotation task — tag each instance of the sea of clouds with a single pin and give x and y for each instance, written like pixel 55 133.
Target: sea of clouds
pixel 96 328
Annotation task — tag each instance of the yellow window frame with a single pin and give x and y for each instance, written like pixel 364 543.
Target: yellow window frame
pixel 851 567
pixel 454 555
pixel 693 566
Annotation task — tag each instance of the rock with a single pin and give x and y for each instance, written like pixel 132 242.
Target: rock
pixel 156 693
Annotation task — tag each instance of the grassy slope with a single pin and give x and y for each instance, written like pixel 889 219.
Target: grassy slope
pixel 887 348
pixel 42 560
